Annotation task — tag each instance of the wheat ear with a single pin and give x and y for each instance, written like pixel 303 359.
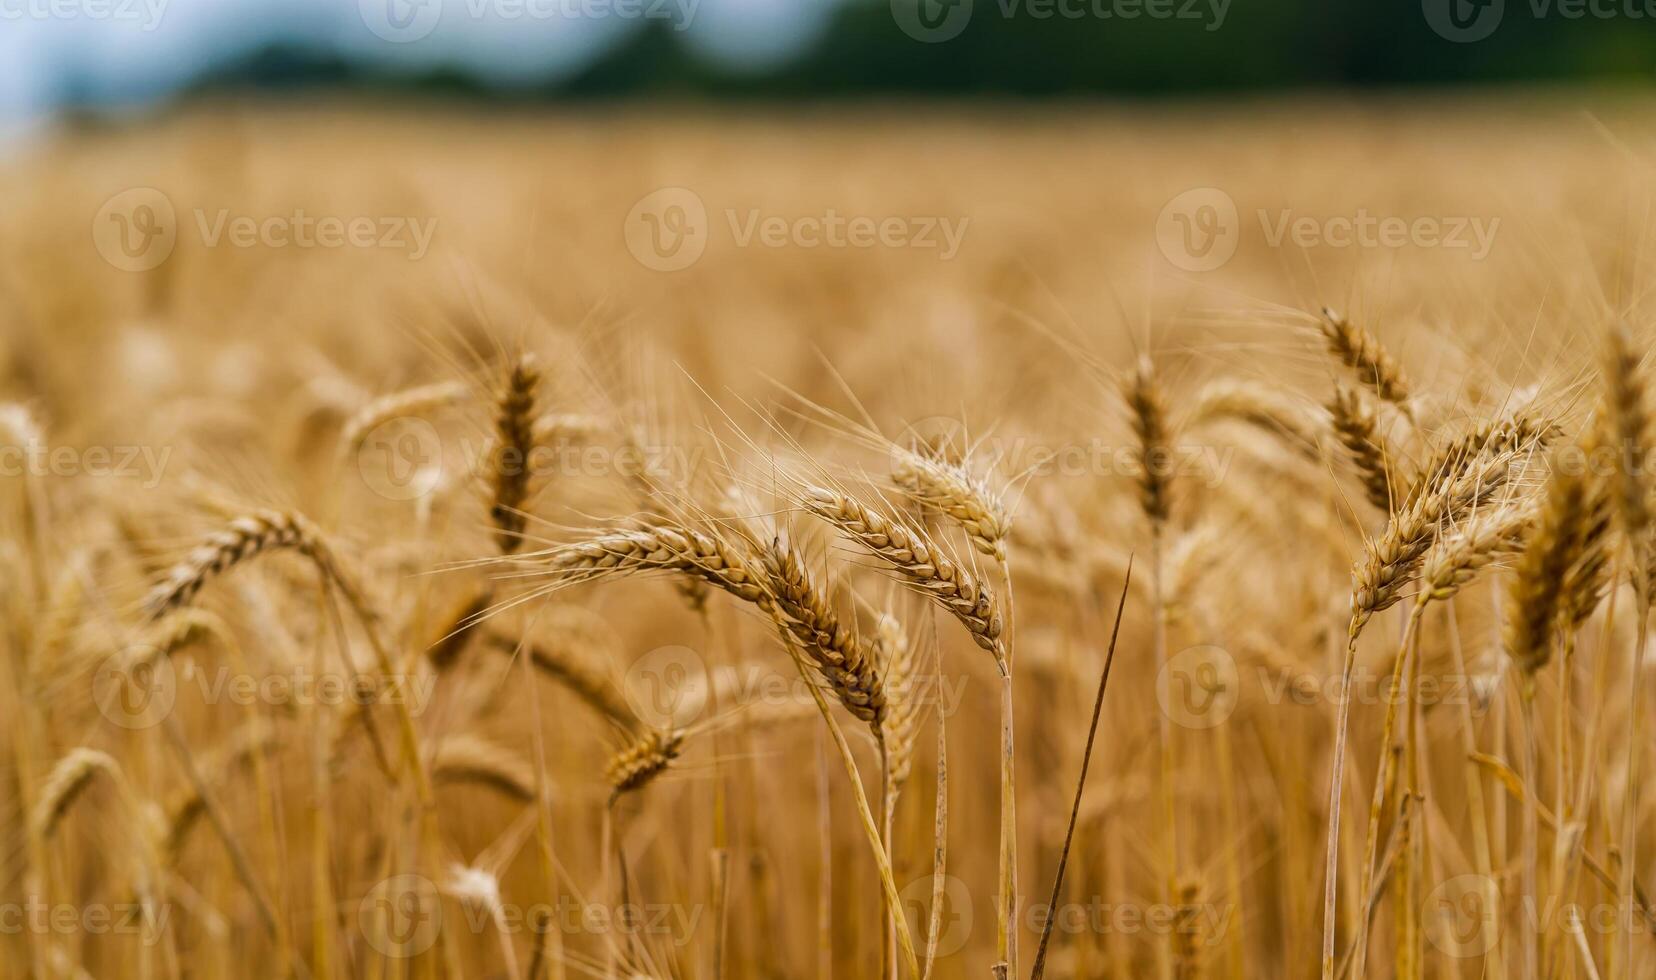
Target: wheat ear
pixel 583 674
pixel 635 766
pixel 1362 352
pixel 467 759
pixel 1356 429
pixel 1147 412
pixel 1627 424
pixel 67 782
pixel 243 539
pixel 410 403
pixel 952 489
pixel 833 646
pixel 509 460
pixel 919 563
pixel 1255 404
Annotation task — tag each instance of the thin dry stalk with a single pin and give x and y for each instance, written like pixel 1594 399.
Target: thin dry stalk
pixel 1081 781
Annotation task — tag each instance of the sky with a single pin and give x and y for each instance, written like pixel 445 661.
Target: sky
pixel 136 52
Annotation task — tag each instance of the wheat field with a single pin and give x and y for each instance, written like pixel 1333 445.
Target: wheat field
pixel 694 543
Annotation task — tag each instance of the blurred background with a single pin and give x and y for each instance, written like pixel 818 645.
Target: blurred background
pixel 101 56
